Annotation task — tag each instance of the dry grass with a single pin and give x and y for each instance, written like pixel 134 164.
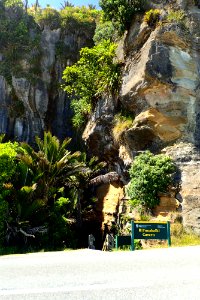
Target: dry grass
pixel 120 126
pixel 181 237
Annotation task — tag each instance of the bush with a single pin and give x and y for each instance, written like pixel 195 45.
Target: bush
pixel 152 17
pixel 16 42
pixel 150 174
pixel 176 16
pixel 48 17
pixel 121 12
pixel 105 31
pixel 79 17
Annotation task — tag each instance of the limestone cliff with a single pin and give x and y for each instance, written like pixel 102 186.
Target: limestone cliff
pixel 31 99
pixel 160 87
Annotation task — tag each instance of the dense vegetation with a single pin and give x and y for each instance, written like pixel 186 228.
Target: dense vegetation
pixel 42 193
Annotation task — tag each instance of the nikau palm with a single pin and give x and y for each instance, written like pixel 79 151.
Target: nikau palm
pixel 51 166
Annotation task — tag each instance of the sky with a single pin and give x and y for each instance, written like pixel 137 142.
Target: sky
pixel 57 3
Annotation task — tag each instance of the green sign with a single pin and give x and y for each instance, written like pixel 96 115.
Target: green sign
pixel 150 230
pixel 157 231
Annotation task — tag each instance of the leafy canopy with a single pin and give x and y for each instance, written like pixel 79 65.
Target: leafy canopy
pixel 69 17
pixel 95 74
pixel 150 174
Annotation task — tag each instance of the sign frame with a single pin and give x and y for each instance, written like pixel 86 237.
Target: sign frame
pixel 151 232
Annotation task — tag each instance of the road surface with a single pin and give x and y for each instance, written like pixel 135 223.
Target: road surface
pixel 157 274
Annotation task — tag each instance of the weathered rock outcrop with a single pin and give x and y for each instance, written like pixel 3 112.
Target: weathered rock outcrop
pixel 28 107
pixel 160 87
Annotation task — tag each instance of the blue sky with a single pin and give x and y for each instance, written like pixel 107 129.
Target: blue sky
pixel 57 3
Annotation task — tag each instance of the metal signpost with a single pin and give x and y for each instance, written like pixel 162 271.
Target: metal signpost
pixel 150 230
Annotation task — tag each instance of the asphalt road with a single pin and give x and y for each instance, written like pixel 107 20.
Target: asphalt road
pixel 170 273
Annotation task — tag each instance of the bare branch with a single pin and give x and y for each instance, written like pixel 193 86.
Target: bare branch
pixel 26 234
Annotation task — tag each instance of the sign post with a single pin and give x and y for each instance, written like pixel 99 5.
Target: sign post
pixel 169 234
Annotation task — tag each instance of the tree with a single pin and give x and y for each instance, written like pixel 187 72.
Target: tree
pixel 51 166
pixel 95 74
pixel 150 174
pixel 66 4
pixel 121 12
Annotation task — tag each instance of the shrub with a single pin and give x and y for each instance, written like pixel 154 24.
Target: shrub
pixel 150 174
pixel 78 17
pixel 176 16
pixel 104 31
pixel 152 17
pixel 16 42
pixel 121 12
pixel 48 17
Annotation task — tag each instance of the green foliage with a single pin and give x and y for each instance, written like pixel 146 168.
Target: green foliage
pixel 73 17
pixel 50 166
pixel 121 12
pixel 48 17
pixel 105 31
pixel 93 75
pixel 11 3
pixel 152 17
pixel 33 186
pixel 8 152
pixel 176 16
pixel 150 174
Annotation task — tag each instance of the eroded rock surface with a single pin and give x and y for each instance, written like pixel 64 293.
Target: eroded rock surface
pixel 28 107
pixel 160 87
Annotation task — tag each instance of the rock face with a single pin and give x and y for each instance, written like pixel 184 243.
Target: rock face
pixel 160 87
pixel 28 107
pixel 109 197
pixel 187 157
